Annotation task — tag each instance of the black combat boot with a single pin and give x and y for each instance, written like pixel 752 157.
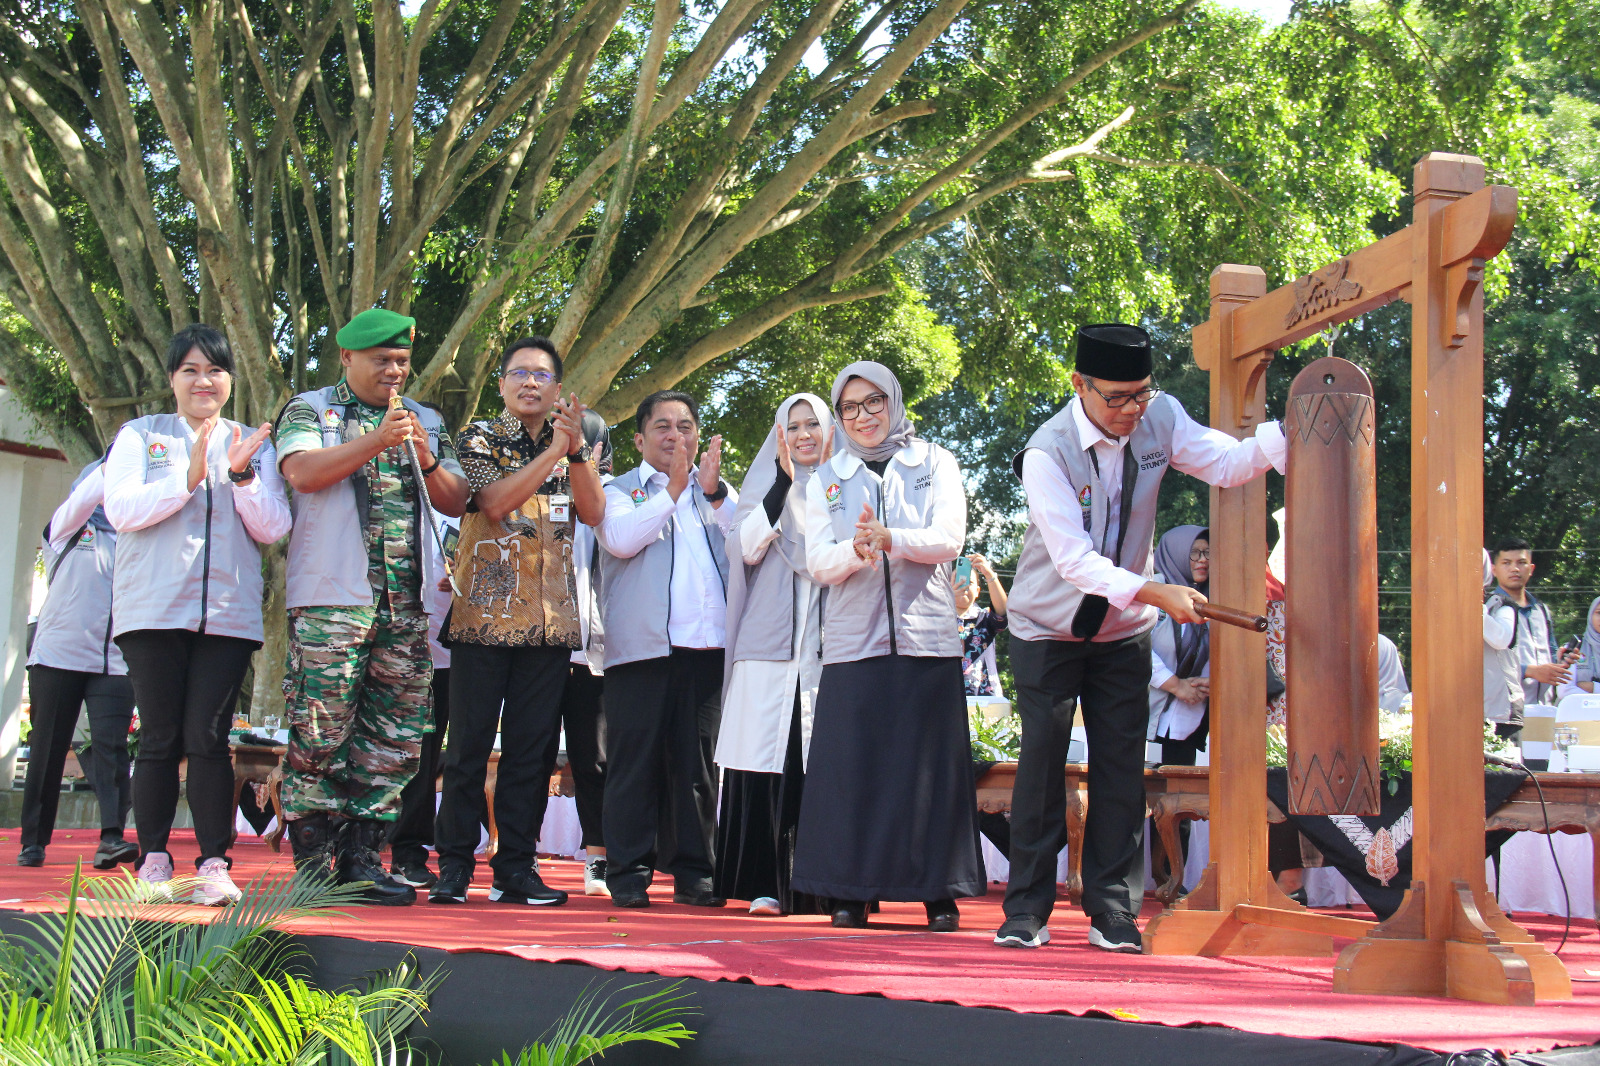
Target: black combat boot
pixel 357 859
pixel 311 841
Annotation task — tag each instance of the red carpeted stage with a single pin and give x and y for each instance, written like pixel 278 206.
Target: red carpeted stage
pixel 896 958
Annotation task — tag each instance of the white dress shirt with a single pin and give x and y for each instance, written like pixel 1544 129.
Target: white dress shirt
pixel 698 617
pixel 132 503
pixel 1208 454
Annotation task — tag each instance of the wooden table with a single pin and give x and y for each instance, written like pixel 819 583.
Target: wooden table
pixel 1175 794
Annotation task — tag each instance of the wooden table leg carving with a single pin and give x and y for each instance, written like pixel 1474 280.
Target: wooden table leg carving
pixel 1077 811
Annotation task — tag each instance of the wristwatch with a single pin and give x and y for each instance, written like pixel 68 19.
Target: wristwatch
pixel 584 453
pixel 720 494
pixel 241 477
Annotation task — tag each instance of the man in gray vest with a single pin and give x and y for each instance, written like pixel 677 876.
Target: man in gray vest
pixel 360 669
pixel 663 604
pixel 1082 607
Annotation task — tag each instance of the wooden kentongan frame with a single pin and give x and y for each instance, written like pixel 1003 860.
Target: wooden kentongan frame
pixel 1449 937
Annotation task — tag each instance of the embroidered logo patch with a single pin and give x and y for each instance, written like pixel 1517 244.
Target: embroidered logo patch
pixel 1085 496
pixel 330 417
pixel 87 540
pixel 833 492
pixel 639 495
pixel 158 450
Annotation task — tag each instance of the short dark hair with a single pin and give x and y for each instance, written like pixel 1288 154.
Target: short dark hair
pixel 538 344
pixel 647 406
pixel 1509 544
pixel 212 342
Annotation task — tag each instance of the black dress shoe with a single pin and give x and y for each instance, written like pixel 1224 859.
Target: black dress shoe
pixel 451 887
pixel 705 898
pixel 32 855
pixel 114 850
pixel 629 898
pixel 943 917
pixel 850 915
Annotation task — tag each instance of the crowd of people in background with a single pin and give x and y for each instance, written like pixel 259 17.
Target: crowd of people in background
pixel 762 692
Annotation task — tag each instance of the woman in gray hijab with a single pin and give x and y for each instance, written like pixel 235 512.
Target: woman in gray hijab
pixel 888 811
pixel 774 664
pixel 1588 668
pixel 1180 653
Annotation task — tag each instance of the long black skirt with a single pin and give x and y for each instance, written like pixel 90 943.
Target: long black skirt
pixel 757 827
pixel 888 811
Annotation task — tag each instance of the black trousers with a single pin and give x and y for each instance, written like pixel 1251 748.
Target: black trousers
pixel 187 686
pixel 584 720
pixel 1110 681
pixel 662 717
pixel 518 690
pixel 412 833
pixel 56 696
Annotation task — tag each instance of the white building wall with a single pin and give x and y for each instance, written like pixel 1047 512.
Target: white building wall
pixel 31 488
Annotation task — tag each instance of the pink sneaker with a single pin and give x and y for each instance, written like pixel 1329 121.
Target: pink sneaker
pixel 213 887
pixel 155 877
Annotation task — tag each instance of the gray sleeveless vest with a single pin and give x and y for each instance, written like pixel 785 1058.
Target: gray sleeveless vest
pixel 901 607
pixel 74 631
pixel 328 546
pixel 636 593
pixel 198 569
pixel 1042 603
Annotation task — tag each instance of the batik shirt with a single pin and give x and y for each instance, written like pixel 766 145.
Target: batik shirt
pixel 393 560
pixel 515 576
pixel 977 633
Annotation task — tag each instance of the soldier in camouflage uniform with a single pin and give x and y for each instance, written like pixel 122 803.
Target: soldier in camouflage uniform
pixel 359 666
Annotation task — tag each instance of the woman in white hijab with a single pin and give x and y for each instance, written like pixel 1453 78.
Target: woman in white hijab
pixel 774 664
pixel 888 811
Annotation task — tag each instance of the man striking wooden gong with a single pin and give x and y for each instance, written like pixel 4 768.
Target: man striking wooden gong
pixel 1449 936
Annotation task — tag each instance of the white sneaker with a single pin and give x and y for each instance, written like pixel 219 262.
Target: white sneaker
pixel 765 905
pixel 213 886
pixel 594 876
pixel 155 877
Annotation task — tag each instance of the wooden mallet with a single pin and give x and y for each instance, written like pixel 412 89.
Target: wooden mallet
pixel 1232 616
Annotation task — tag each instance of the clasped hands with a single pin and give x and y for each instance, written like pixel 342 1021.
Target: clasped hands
pixel 872 536
pixel 708 471
pixel 240 450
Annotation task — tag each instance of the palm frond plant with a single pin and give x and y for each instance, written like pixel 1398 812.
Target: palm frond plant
pixel 114 980
pixel 594 1026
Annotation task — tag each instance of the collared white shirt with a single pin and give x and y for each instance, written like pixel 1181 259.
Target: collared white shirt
pixel 132 503
pixel 698 617
pixel 1209 454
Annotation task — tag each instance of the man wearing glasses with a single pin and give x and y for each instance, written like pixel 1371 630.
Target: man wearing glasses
pixel 1082 608
pixel 513 622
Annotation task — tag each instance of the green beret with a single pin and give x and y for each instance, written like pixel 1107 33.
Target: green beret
pixel 377 328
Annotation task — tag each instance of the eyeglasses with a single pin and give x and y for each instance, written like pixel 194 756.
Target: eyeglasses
pixel 1199 556
pixel 520 377
pixel 1123 399
pixel 850 410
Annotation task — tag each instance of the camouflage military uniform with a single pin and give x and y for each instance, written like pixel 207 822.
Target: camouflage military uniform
pixel 359 679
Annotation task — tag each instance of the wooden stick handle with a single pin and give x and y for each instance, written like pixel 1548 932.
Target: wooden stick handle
pixel 1229 615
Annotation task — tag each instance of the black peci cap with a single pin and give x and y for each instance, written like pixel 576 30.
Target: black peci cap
pixel 1114 351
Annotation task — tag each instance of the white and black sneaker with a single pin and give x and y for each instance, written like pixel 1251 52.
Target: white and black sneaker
pixel 1022 931
pixel 1116 931
pixel 526 888
pixel 594 876
pixel 413 873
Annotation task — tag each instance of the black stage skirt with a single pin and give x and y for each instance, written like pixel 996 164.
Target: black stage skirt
pixel 889 812
pixel 756 831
